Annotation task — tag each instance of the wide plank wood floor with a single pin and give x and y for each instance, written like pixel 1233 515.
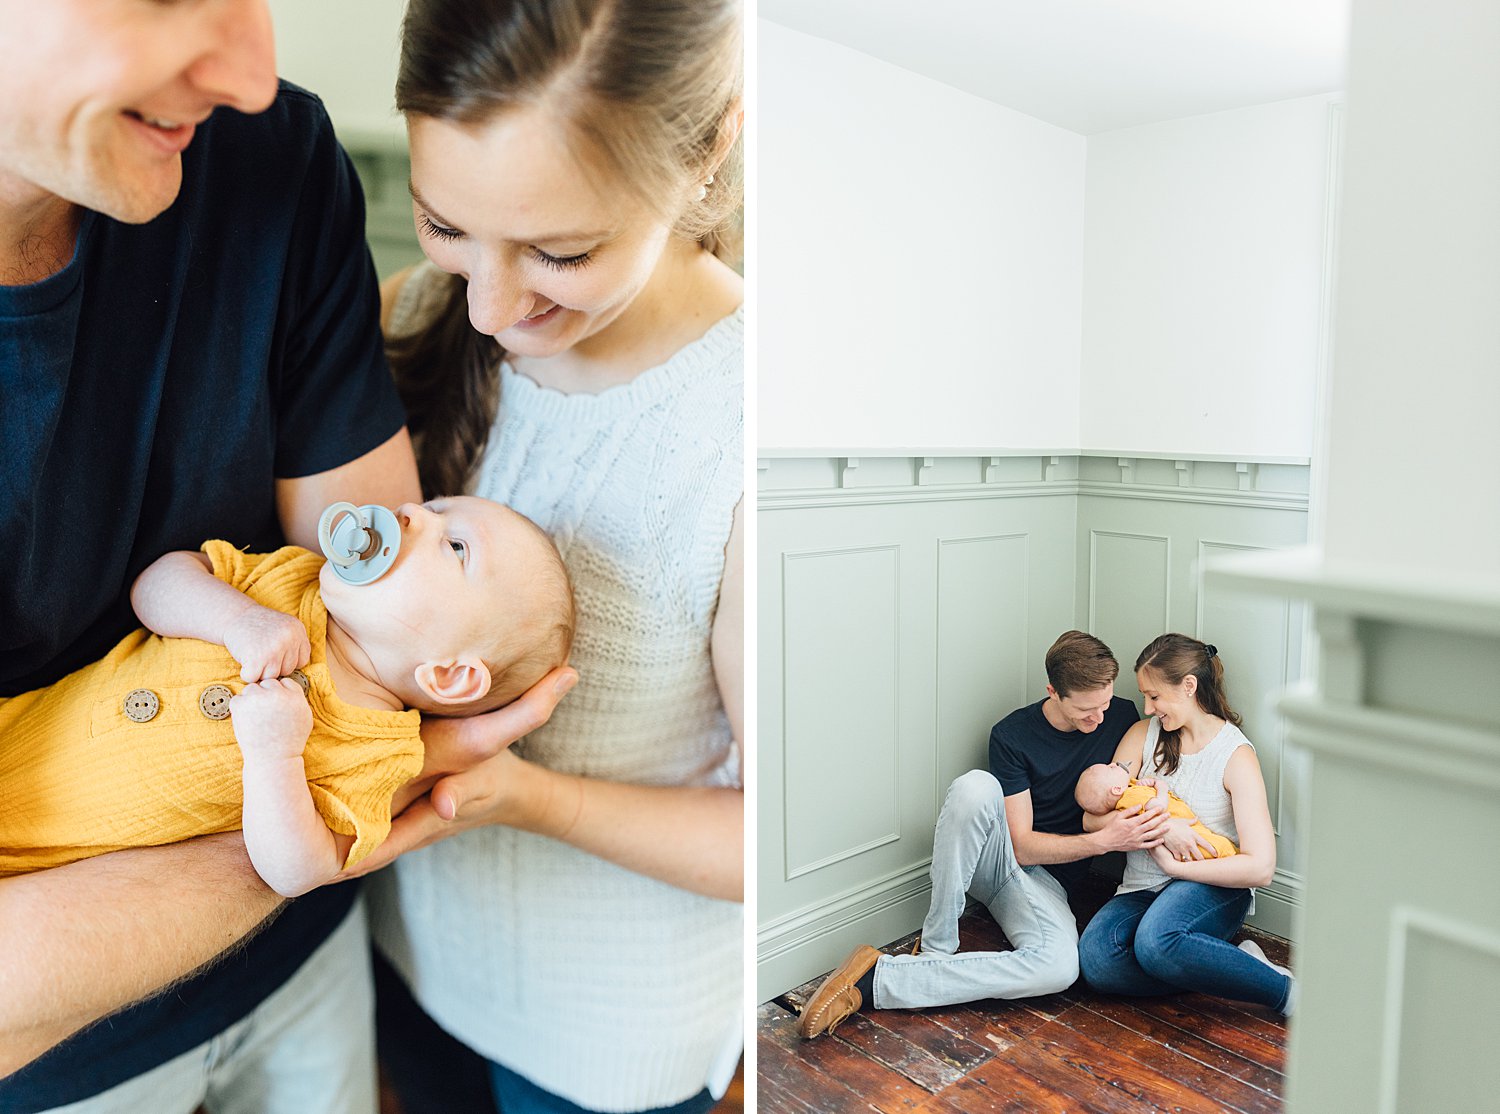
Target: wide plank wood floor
pixel 1071 1052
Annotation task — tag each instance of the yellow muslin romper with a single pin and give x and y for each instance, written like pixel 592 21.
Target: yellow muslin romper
pixel 127 753
pixel 1138 794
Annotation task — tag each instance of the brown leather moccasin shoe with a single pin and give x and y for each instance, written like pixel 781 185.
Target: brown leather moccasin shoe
pixel 838 997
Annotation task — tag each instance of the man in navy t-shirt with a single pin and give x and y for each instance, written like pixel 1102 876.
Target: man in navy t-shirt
pixel 1013 839
pixel 189 349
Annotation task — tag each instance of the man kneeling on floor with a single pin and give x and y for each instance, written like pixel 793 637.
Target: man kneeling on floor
pixel 1013 839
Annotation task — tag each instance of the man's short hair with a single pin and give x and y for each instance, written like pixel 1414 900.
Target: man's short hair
pixel 1079 662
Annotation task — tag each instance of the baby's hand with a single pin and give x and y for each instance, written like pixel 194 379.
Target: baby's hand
pixel 272 719
pixel 267 643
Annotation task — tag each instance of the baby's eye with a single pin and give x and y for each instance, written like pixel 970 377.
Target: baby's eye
pixel 459 547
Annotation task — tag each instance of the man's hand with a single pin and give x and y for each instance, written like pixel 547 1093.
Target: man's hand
pixel 267 643
pixel 1182 843
pixel 271 719
pixel 1135 830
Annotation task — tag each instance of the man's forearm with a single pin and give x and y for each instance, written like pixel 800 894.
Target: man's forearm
pixel 1042 848
pixel 84 940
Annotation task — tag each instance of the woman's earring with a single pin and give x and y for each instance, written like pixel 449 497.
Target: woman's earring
pixel 703 189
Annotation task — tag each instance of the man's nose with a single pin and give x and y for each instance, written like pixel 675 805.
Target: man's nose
pixel 238 68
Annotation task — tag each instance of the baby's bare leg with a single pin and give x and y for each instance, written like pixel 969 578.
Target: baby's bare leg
pixel 411 791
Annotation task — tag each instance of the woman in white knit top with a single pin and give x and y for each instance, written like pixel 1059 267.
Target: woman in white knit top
pixel 575 349
pixel 1167 927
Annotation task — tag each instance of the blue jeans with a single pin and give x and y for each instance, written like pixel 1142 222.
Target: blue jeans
pixel 1177 938
pixel 515 1094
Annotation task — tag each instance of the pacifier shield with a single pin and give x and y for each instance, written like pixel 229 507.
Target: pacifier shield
pixel 360 543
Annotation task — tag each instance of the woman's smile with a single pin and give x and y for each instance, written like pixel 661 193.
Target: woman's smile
pixel 536 319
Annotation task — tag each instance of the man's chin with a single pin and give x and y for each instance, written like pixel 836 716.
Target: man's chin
pixel 138 202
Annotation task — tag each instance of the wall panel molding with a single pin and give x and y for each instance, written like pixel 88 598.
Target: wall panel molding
pixel 983 599
pixel 841 670
pixel 998 553
pixel 1126 604
pixel 1464 955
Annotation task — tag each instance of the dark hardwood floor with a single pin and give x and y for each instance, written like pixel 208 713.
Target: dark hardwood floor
pixel 1075 1051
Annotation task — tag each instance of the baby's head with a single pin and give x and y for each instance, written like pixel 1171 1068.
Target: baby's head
pixel 1100 787
pixel 476 609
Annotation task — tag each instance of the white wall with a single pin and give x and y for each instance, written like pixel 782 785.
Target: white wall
pixel 938 272
pixel 1202 282
pixel 920 260
pixel 345 51
pixel 1416 376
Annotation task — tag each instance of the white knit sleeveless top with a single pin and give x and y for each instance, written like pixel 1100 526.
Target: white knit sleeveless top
pixel 1198 780
pixel 614 990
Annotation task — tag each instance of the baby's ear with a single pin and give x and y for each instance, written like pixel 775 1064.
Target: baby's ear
pixel 453 682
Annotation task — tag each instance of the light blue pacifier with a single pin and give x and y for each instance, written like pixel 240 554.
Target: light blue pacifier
pixel 360 543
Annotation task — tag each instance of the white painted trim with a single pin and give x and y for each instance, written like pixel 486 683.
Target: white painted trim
pixel 1405 920
pixel 1219 496
pixel 1368 592
pixel 800 498
pixel 805 498
pixel 816 452
pixel 1466 756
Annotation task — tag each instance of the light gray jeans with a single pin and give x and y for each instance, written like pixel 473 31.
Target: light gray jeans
pixel 972 854
pixel 309 1047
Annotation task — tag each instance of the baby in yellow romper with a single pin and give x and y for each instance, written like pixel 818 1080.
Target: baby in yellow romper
pixel 268 694
pixel 1102 788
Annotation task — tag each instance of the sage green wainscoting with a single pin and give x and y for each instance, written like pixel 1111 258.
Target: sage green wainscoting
pixel 905 605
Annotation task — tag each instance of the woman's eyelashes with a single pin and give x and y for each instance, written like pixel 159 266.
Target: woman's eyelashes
pixel 437 231
pixel 564 262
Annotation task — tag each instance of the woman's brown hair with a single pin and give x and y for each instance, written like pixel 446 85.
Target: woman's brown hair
pixel 646 88
pixel 1173 658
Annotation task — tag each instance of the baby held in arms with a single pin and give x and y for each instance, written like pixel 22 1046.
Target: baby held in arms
pixel 280 693
pixel 1104 787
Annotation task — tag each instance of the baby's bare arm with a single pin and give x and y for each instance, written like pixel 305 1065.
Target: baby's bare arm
pixel 290 845
pixel 178 596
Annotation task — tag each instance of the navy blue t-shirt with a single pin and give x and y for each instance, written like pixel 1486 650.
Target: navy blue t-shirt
pixel 151 394
pixel 1027 752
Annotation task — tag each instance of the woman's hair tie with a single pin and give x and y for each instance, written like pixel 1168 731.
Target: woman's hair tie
pixel 1211 650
